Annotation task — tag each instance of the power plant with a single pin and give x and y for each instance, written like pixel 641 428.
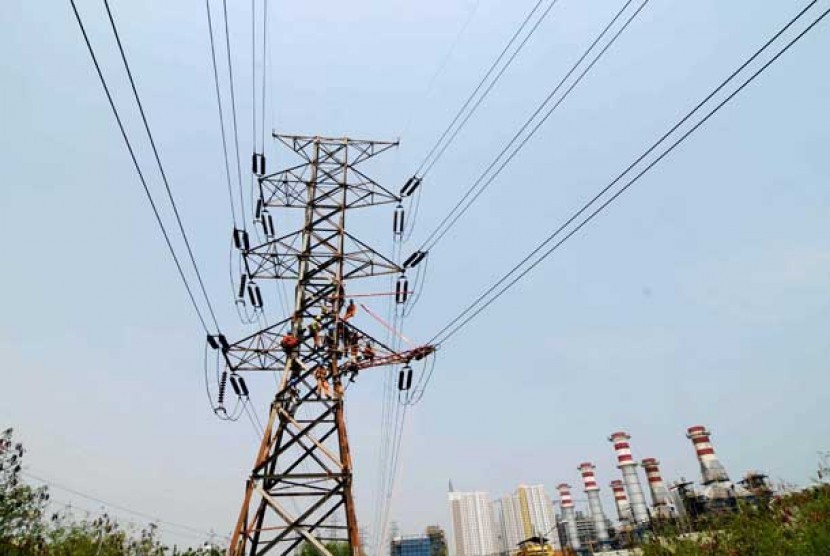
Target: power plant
pixel 568 516
pixel 621 502
pixel 718 492
pixel 524 523
pixel 594 503
pixel 662 507
pixel 681 504
pixel 628 468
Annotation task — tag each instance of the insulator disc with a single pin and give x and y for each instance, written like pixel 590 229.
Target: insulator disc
pixel 235 385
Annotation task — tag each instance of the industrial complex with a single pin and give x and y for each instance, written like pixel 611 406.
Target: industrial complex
pixel 529 522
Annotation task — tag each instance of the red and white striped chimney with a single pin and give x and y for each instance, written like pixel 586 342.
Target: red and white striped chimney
pixel 568 515
pixel 565 499
pixel 659 492
pixel 628 468
pixel 594 503
pixel 621 501
pixel 711 468
pixel 588 477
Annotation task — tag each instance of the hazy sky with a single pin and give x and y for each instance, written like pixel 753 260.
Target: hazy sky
pixel 700 297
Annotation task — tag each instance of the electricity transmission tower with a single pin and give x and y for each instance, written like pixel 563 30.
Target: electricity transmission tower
pixel 301 482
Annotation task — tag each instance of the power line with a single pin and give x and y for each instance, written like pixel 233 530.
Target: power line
pixel 221 114
pixel 487 90
pixel 443 63
pixel 161 167
pixel 264 65
pixel 444 337
pixel 233 111
pixel 138 168
pixel 478 87
pixel 119 507
pixel 253 78
pixel 68 508
pixel 483 181
pixel 415 201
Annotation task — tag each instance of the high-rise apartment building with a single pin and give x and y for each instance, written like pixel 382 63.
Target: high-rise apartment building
pixel 473 525
pixel 509 529
pixel 526 513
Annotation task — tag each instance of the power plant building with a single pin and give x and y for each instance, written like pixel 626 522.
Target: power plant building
pixel 594 503
pixel 631 481
pixel 621 502
pixel 568 523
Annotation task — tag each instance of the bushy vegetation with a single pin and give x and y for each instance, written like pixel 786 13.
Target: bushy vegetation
pixel 797 524
pixel 336 549
pixel 29 528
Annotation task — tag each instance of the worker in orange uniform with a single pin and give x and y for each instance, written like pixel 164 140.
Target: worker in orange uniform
pixel 368 351
pixel 354 351
pixel 351 310
pixel 314 330
pixel 323 389
pixel 289 343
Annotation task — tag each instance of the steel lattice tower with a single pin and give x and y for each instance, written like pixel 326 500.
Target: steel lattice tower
pixel 301 482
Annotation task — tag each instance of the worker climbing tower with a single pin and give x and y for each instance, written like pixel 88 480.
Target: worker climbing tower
pixel 300 487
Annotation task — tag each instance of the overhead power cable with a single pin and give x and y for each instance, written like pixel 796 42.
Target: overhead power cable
pixel 233 112
pixel 430 159
pixel 444 61
pixel 221 115
pixel 489 88
pixel 415 200
pixel 488 175
pixel 69 508
pixel 138 168
pixel 158 162
pixel 253 79
pixel 264 65
pixel 479 304
pixel 119 507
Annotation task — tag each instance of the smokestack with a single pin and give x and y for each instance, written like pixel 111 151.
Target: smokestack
pixel 569 515
pixel 628 467
pixel 710 467
pixel 592 491
pixel 659 492
pixel 621 501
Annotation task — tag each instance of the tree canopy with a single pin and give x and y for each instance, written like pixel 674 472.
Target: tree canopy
pixel 29 528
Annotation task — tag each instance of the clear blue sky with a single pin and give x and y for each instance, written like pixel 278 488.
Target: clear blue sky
pixel 701 297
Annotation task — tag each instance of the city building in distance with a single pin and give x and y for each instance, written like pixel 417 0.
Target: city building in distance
pixel 432 543
pixel 526 513
pixel 473 525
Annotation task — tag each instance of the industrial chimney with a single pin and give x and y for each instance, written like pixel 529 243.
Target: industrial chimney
pixel 621 501
pixel 662 505
pixel 710 467
pixel 569 515
pixel 628 467
pixel 594 503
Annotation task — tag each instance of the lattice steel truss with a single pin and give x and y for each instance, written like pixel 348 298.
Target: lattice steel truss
pixel 301 482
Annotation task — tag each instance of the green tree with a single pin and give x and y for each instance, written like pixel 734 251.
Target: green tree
pixel 336 549
pixel 21 506
pixel 26 530
pixel 793 525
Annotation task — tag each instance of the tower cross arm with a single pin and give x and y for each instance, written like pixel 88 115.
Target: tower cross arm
pixel 414 354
